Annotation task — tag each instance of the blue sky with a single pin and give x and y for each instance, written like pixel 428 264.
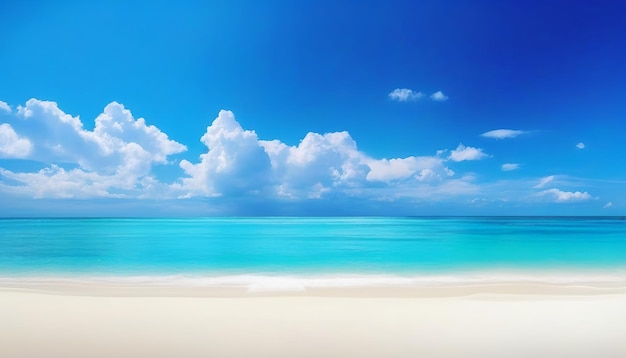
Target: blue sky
pixel 312 108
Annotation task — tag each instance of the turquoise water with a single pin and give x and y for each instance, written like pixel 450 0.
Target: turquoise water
pixel 321 246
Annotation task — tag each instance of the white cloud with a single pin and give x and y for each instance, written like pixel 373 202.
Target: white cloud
pixel 580 145
pixel 5 106
pixel 544 181
pixel 238 162
pixel 507 167
pixel 607 205
pixel 405 94
pixel 427 175
pixel 12 145
pixel 565 196
pixel 56 182
pixel 331 159
pixel 119 153
pixel 438 96
pixel 503 133
pixel 235 163
pixel 117 157
pixel 462 153
pixel 116 126
pixel 422 168
pixel 59 137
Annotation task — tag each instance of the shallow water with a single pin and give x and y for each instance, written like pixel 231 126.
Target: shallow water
pixel 309 246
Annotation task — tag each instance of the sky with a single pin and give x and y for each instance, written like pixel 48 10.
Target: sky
pixel 194 108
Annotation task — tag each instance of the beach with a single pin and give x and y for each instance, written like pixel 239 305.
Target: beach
pixel 313 287
pixel 503 320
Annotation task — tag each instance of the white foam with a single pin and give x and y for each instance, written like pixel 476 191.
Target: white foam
pixel 267 282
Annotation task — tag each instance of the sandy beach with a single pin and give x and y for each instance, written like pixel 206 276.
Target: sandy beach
pixel 510 320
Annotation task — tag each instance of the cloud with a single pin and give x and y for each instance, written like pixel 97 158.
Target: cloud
pixel 116 127
pixel 607 205
pixel 580 145
pixel 116 138
pixel 503 133
pixel 507 167
pixel 405 94
pixel 119 153
pixel 238 162
pixel 462 153
pixel 12 145
pixel 565 196
pixel 5 106
pixel 330 160
pixel 421 168
pixel 116 159
pixel 235 163
pixel 544 181
pixel 56 182
pixel 438 96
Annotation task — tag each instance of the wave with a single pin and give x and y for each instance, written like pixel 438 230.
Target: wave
pixel 263 282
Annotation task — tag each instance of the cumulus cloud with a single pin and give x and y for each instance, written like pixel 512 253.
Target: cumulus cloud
pixel 544 181
pixel 565 196
pixel 235 163
pixel 330 160
pixel 507 167
pixel 580 145
pixel 116 127
pixel 607 205
pixel 405 94
pixel 117 138
pixel 119 152
pixel 503 133
pixel 5 107
pixel 116 160
pixel 438 96
pixel 462 153
pixel 12 145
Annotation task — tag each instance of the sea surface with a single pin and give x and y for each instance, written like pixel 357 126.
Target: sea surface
pixel 314 251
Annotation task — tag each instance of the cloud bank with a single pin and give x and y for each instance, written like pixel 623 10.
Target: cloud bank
pixel 118 157
pixel 237 162
pixel 115 159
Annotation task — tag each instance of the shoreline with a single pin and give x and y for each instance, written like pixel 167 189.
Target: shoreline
pixel 494 290
pixel 115 287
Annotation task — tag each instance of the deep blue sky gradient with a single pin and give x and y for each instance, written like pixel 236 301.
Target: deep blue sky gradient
pixel 552 68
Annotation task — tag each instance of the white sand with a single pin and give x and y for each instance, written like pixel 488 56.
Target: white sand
pixel 481 322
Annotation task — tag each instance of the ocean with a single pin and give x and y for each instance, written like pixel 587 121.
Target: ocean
pixel 314 251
